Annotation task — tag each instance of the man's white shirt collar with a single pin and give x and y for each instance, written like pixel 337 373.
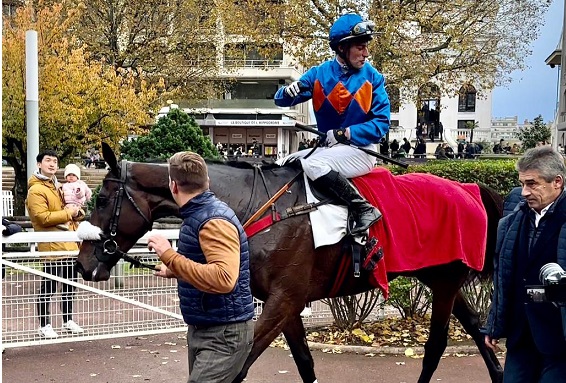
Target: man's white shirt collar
pixel 542 213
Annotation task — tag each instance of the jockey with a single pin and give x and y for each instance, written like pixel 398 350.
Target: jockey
pixel 351 106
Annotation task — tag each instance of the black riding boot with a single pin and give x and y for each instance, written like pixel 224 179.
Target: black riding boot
pixel 338 187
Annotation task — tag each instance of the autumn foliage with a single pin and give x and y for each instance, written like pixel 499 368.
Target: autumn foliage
pixel 82 101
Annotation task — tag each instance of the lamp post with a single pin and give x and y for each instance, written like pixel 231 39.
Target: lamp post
pixel 561 125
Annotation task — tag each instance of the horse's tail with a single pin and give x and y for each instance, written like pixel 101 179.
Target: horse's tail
pixel 493 204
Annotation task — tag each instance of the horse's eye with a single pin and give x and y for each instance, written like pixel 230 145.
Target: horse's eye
pixel 101 201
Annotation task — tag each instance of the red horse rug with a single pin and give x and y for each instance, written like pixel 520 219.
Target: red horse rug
pixel 427 221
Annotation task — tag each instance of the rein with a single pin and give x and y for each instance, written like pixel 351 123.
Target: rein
pixel 109 246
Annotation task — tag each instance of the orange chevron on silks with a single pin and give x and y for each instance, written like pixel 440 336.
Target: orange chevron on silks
pixel 318 96
pixel 363 96
pixel 340 98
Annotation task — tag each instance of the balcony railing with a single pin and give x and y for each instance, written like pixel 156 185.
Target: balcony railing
pixel 237 103
pixel 247 63
pixel 479 134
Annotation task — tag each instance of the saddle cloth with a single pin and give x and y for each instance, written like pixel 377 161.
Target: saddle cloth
pixel 328 221
pixel 427 221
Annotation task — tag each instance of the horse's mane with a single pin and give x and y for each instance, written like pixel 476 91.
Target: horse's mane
pixel 244 164
pixel 234 164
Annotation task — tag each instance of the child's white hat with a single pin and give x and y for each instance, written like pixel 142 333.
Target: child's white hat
pixel 72 169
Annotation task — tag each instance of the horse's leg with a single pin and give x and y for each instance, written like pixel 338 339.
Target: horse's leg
pixel 470 320
pixel 443 296
pixel 294 332
pixel 275 313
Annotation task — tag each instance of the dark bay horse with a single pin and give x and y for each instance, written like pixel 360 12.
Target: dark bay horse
pixel 286 270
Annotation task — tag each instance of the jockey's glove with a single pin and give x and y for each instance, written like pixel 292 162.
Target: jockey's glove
pixel 336 136
pixel 293 89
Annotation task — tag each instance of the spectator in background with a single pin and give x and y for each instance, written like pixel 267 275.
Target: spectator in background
pixel 419 130
pixel 384 147
pixel 47 209
pixel 406 145
pixel 497 148
pixel 471 151
pixel 394 146
pixel 461 149
pixel 437 151
pixel 420 149
pixel 440 152
pixel 431 131
pixel 448 150
pixel 529 238
pixel 88 158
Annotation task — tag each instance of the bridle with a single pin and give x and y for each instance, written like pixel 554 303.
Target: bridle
pixel 109 246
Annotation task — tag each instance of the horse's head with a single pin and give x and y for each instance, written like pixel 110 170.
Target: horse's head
pixel 117 222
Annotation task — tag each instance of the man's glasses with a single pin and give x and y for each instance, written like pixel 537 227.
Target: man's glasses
pixel 363 28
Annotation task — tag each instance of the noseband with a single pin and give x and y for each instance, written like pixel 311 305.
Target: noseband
pixel 110 247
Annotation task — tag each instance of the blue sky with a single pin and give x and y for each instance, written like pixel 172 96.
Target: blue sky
pixel 533 91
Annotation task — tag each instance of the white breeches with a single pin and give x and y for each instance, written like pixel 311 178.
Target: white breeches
pixel 344 159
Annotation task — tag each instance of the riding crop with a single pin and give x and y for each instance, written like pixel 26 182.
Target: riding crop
pixel 310 129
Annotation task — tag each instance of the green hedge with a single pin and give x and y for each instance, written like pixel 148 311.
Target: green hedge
pixel 498 174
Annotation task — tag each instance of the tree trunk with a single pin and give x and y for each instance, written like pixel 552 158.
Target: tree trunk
pixel 20 192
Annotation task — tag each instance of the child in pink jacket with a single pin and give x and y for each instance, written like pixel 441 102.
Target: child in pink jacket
pixel 75 191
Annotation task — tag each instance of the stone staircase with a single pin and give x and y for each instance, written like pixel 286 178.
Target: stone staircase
pixel 8 176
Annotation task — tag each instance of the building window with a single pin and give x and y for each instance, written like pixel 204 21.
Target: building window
pixel 9 8
pixel 463 124
pixel 467 98
pixel 394 97
pixel 394 123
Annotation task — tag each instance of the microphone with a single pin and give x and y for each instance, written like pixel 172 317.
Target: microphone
pixel 552 274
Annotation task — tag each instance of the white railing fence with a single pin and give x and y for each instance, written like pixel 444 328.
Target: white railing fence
pixel 132 303
pixel 7 203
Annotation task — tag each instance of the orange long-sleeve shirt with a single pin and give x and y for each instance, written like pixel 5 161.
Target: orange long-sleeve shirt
pixel 220 243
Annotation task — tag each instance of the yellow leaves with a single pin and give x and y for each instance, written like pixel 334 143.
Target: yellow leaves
pixel 362 335
pixel 386 332
pixel 82 100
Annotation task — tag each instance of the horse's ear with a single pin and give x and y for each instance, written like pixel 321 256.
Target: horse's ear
pixel 109 157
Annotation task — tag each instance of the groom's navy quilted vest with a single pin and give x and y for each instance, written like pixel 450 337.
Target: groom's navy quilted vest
pixel 206 309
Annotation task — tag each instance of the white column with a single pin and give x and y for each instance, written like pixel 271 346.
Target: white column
pixel 32 101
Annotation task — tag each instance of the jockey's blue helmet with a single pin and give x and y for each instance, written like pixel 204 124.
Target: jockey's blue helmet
pixel 350 27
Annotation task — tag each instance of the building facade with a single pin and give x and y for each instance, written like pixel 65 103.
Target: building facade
pixel 246 117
